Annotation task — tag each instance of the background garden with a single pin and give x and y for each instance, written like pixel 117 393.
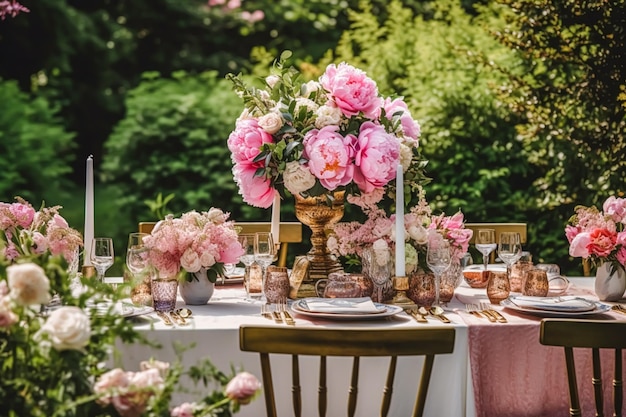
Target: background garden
pixel 521 103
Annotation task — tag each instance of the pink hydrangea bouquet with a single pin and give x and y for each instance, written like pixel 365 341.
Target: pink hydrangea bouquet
pixel 194 241
pixel 313 138
pixel 351 239
pixel 599 235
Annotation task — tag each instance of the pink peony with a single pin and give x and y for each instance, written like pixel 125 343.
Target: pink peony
pixel 243 387
pixel 615 208
pixel 377 156
pixel 352 90
pixel 601 242
pixel 329 156
pixel 578 245
pixel 398 110
pixel 246 140
pixel 256 191
pixel 183 410
pixel 23 213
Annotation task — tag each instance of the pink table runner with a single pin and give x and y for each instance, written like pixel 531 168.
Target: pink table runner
pixel 514 375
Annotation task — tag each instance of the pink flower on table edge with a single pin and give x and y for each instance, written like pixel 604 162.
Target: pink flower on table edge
pixel 599 235
pixel 243 387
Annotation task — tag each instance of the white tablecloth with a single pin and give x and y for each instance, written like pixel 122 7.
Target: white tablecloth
pixel 214 333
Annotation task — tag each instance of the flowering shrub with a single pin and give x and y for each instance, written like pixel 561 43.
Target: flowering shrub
pixel 51 356
pixel 599 235
pixel 313 138
pixel 195 240
pixel 378 231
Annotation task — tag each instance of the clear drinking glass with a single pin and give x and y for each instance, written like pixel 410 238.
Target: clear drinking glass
pixel 509 249
pixel 438 260
pixel 136 253
pixel 102 255
pixel 264 251
pixel 486 243
pixel 378 265
pixel 247 258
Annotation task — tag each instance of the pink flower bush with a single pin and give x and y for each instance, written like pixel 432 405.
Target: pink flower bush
pixel 28 233
pixel 195 240
pixel 599 235
pixel 341 132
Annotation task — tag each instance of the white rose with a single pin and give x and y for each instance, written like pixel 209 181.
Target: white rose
pixel 406 156
pixel 298 178
pixel 271 122
pixel 305 102
pixel 28 284
pixel 207 259
pixel 419 234
pixel 190 261
pixel 311 87
pixel 271 80
pixel 327 116
pixel 381 252
pixel 68 328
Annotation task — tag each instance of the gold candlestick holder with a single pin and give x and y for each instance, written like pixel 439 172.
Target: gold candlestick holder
pixel 401 285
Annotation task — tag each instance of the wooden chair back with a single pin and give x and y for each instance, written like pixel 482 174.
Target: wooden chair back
pixel 595 335
pixel 342 342
pixel 290 232
pixel 521 228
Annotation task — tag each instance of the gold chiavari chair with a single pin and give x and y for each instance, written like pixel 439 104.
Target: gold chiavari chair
pixel 342 342
pixel 595 335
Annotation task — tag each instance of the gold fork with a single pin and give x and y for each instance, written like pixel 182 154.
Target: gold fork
pixel 473 309
pixel 619 308
pixel 265 312
pixel 282 307
pixel 488 310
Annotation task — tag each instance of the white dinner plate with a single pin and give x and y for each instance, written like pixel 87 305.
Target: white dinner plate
pixel 387 310
pixel 600 308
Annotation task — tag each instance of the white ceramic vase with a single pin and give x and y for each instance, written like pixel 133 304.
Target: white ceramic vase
pixel 199 290
pixel 609 287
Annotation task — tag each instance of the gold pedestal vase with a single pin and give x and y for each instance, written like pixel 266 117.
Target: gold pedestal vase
pixel 318 215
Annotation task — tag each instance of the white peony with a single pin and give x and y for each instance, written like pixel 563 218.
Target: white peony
pixel 28 284
pixel 419 234
pixel 327 116
pixel 67 328
pixel 297 178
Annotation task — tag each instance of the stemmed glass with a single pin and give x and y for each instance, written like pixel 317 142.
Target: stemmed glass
pixel 509 249
pixel 486 243
pixel 264 252
pixel 136 253
pixel 247 258
pixel 379 269
pixel 102 255
pixel 438 260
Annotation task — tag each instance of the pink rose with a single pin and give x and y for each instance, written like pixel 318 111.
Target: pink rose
pixel 376 158
pixel 115 379
pixel 329 156
pixel 24 214
pixel 352 90
pixel 601 242
pixel 246 140
pixel 578 245
pixel 571 232
pixel 243 387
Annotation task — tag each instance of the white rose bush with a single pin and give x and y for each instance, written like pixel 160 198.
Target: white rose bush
pixel 54 355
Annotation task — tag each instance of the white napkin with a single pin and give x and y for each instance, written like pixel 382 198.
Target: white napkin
pixel 566 303
pixel 362 305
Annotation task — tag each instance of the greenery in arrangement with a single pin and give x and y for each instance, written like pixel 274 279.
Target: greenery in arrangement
pixel 58 332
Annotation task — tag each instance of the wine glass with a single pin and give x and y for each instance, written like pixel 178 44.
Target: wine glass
pixel 247 258
pixel 486 243
pixel 102 255
pixel 136 253
pixel 264 251
pixel 509 249
pixel 378 266
pixel 438 259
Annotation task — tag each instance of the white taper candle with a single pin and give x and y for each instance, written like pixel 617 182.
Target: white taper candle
pixel 275 227
pixel 89 226
pixel 400 258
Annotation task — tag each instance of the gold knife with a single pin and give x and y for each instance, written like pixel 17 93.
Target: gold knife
pixel 178 318
pixel 165 318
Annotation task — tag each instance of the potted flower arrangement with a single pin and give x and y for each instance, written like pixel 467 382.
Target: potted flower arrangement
pixel 197 244
pixel 599 237
pixel 53 356
pixel 321 141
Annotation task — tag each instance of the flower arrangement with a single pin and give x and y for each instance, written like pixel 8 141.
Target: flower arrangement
pixel 52 357
pixel 313 138
pixel 599 235
pixel 378 231
pixel 194 241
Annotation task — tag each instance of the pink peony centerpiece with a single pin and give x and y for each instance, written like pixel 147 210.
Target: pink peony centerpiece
pixel 313 138
pixel 194 241
pixel 599 235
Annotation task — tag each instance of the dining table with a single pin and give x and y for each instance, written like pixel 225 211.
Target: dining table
pixel 496 369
